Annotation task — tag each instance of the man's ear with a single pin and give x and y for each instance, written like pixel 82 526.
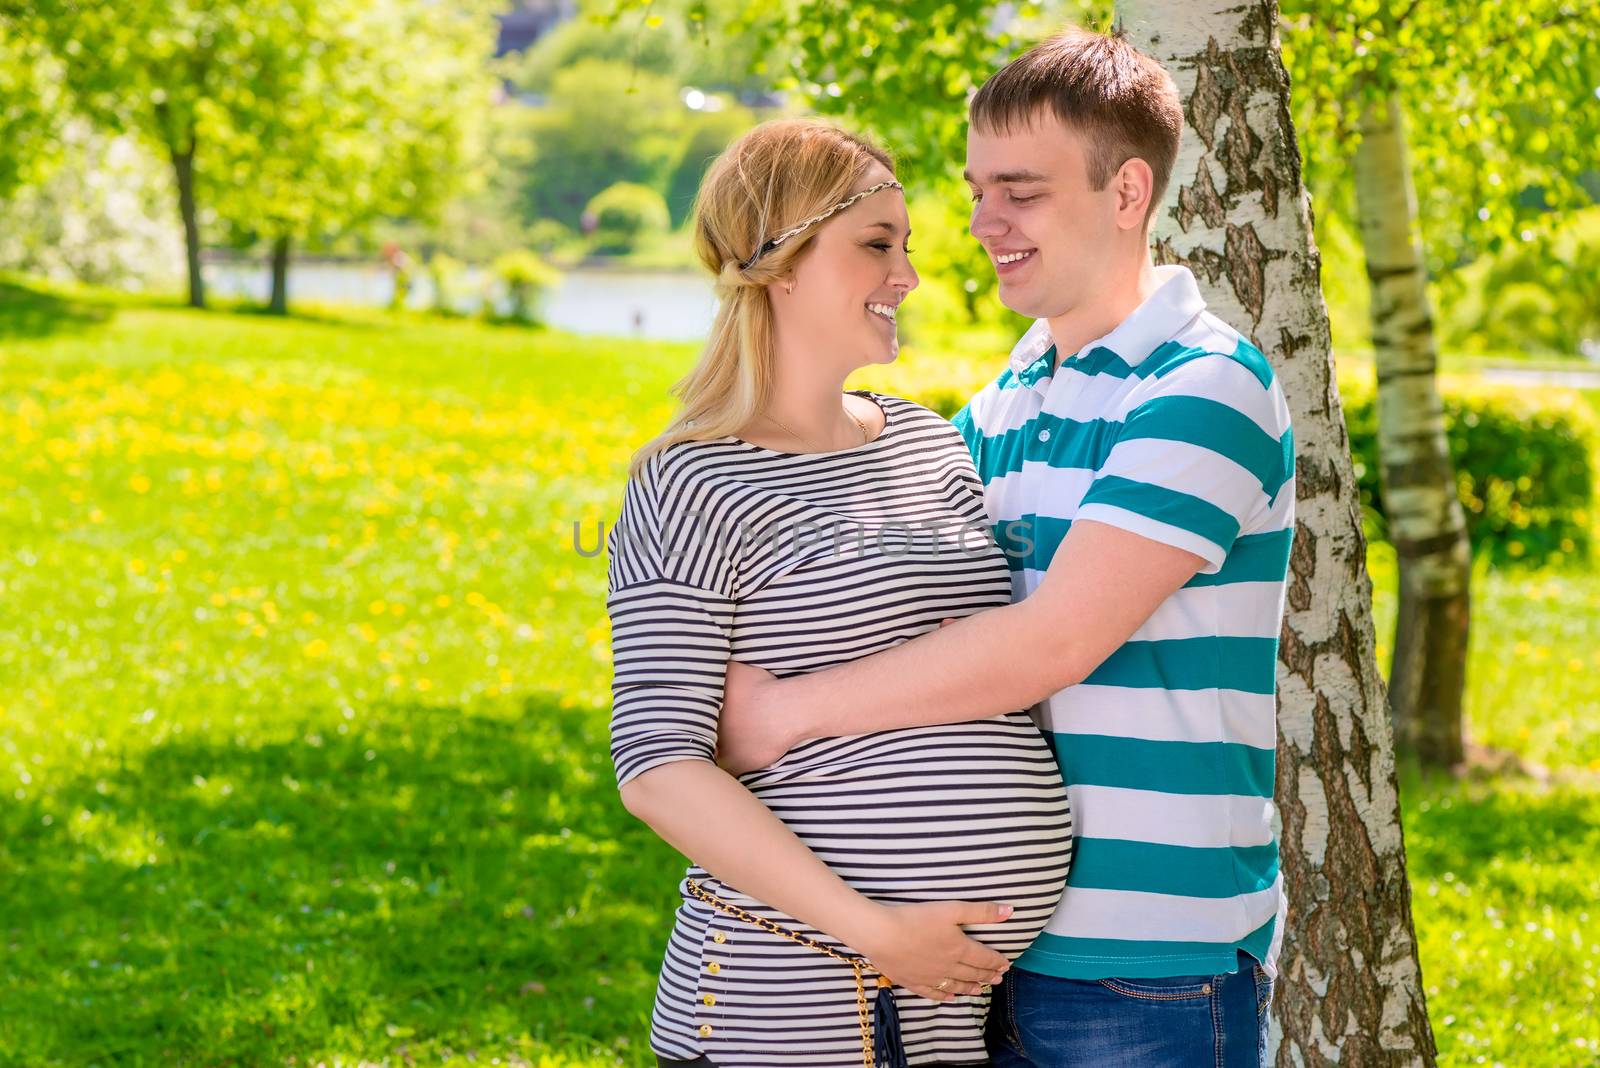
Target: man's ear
pixel 1133 183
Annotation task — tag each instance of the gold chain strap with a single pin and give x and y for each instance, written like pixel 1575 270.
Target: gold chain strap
pixel 857 964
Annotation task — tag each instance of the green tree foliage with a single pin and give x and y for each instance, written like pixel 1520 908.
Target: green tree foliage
pixel 347 135
pixel 284 117
pixel 31 105
pixel 714 45
pixel 605 123
pixel 1542 293
pixel 635 94
pixel 176 73
pixel 1502 105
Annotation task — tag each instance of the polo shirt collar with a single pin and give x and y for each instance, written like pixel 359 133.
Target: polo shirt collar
pixel 1158 319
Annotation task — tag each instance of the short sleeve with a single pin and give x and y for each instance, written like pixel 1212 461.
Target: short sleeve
pixel 670 645
pixel 1201 454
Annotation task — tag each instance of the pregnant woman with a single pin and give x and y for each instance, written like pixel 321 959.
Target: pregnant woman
pixel 785 522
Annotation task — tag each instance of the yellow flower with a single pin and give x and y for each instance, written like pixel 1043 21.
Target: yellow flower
pixel 139 484
pixel 316 648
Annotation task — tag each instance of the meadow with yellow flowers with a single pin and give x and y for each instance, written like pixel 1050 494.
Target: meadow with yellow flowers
pixel 304 689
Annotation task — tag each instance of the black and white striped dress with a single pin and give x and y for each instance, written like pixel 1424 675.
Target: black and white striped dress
pixel 795 563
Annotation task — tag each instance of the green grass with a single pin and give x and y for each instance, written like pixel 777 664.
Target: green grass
pixel 303 697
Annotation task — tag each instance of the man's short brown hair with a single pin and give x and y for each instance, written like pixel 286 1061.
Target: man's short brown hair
pixel 1121 101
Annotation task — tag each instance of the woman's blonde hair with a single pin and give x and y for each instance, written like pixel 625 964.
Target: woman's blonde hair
pixel 773 178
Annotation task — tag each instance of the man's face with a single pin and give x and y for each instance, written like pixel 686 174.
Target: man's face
pixel 1049 236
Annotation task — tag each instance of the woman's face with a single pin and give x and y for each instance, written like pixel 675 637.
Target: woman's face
pixel 840 304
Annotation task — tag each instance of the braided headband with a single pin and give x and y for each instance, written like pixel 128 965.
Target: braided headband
pixel 768 246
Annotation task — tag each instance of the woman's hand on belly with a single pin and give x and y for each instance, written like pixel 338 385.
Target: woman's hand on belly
pixel 919 946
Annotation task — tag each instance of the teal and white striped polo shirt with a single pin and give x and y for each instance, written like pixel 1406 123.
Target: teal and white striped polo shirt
pixel 1173 427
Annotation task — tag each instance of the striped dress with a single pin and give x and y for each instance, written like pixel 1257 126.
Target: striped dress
pixel 796 563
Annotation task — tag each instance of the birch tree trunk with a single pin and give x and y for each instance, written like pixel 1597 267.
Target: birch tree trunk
pixel 1420 501
pixel 1350 988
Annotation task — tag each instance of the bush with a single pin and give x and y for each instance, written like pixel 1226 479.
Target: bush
pixel 547 235
pixel 526 278
pixel 1525 463
pixel 445 273
pixel 624 213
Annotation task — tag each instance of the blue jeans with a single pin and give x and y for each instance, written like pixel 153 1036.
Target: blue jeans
pixel 1183 1021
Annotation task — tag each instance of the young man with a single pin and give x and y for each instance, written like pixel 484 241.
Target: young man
pixel 1138 467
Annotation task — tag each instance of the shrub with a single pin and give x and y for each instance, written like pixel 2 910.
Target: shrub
pixel 445 273
pixel 624 213
pixel 1525 462
pixel 547 235
pixel 526 277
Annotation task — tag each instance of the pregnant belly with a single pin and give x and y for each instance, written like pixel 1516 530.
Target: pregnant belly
pixel 965 811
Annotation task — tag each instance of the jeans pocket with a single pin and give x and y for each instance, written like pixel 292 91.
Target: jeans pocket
pixel 1264 985
pixel 1181 988
pixel 1010 1032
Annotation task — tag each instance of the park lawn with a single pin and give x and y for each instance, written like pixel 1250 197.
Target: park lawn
pixel 303 691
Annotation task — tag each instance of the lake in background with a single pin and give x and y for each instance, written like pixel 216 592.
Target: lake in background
pixel 659 305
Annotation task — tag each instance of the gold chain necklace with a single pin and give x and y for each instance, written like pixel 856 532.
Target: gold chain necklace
pixel 865 436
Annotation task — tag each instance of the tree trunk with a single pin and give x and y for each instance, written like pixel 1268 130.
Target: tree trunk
pixel 279 304
pixel 1350 987
pixel 183 165
pixel 1420 501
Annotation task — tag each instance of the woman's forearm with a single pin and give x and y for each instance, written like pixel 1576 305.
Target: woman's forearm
pixel 708 816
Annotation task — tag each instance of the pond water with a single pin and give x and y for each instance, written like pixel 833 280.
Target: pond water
pixel 659 305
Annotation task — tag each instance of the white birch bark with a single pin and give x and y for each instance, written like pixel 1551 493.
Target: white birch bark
pixel 1350 989
pixel 1420 500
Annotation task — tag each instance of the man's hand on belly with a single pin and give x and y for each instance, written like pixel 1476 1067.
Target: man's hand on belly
pixel 751 732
